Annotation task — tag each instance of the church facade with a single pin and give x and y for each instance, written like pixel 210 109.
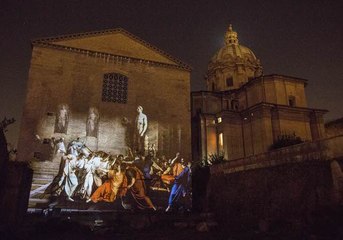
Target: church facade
pixel 99 87
pixel 244 112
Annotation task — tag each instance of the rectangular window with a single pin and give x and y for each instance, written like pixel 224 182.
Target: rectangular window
pixel 221 141
pixel 229 82
pixel 114 88
pixel 291 101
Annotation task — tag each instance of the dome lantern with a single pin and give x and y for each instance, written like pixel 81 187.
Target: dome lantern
pixel 231 36
pixel 232 66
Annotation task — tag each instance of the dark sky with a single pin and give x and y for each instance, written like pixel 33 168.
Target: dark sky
pixel 297 38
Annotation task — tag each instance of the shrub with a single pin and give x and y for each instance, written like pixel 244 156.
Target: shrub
pixel 286 140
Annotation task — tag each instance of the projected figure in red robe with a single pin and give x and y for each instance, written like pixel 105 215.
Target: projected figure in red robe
pixel 137 188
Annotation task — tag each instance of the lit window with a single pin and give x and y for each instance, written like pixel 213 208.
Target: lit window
pixel 221 140
pixel 219 120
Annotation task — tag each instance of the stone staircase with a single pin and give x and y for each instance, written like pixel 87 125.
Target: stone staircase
pixel 43 174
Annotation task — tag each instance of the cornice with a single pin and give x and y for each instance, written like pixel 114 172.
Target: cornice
pixel 49 41
pixel 107 56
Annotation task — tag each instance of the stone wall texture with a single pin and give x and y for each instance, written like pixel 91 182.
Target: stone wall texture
pixel 289 184
pixel 59 76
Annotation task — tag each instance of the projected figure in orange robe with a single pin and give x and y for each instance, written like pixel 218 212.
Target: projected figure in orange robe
pixel 108 191
pixel 172 171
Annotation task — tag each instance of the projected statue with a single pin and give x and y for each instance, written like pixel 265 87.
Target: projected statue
pixel 62 118
pixel 92 123
pixel 141 125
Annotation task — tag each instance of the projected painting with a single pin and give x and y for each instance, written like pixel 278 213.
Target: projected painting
pixel 131 162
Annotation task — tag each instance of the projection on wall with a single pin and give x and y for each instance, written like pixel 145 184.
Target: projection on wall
pixel 130 162
pixel 62 118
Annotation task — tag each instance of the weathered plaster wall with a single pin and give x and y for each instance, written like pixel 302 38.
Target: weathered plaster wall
pixel 64 77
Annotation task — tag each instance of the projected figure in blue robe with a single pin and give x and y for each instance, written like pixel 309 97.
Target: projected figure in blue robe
pixel 181 185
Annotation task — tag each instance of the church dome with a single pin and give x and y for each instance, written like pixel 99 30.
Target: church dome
pixel 233 65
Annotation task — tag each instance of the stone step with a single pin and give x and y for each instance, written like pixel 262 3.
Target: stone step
pixel 42 168
pixel 37 191
pixel 39 200
pixel 45 169
pixel 44 176
pixel 41 181
pixel 48 172
pixel 42 172
pixel 39 195
pixel 57 161
pixel 33 202
pixel 34 186
pixel 45 166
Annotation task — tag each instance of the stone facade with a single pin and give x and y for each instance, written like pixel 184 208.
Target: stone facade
pixel 66 85
pixel 288 184
pixel 248 117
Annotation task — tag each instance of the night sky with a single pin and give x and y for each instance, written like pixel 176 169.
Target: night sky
pixel 296 38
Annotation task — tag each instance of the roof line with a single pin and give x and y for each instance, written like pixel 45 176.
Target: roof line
pixel 275 105
pixel 286 76
pixel 109 56
pixel 109 31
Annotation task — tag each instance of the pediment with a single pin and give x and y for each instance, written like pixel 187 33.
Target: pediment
pixel 116 42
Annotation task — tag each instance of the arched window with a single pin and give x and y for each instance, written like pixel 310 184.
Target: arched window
pixel 115 88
